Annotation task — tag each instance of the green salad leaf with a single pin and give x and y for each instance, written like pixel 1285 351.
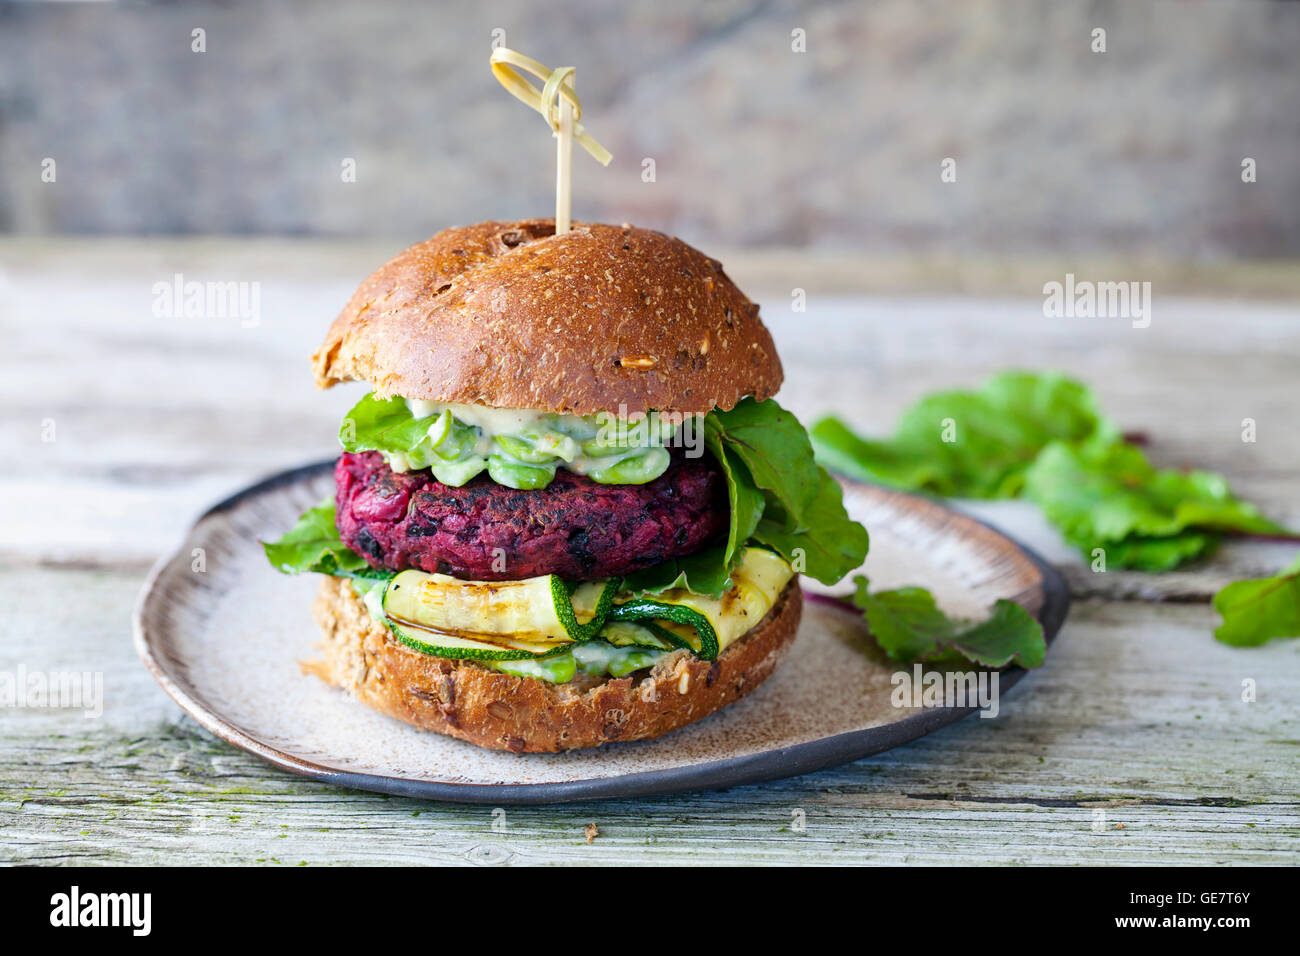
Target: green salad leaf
pixel 831 545
pixel 909 626
pixel 1110 497
pixel 743 496
pixel 382 424
pixel 1153 555
pixel 776 450
pixel 313 544
pixel 706 572
pixel 1260 609
pixel 1043 438
pixel 972 444
pixel 780 496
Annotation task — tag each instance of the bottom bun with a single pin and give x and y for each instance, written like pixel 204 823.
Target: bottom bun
pixel 526 715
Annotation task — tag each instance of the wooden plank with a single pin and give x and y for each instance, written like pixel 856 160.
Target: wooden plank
pixel 1138 714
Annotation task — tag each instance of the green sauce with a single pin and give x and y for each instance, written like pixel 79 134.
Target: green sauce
pixel 522 449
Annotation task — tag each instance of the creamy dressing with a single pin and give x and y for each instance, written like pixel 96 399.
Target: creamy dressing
pixel 491 422
pixel 598 657
pixel 494 423
pixel 372 595
pixel 397 462
pixel 555 670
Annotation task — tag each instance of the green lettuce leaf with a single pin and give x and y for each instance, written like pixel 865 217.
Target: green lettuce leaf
pixel 1154 555
pixel 382 424
pixel 1260 609
pixel 775 449
pixel 780 496
pixel 743 496
pixel 909 626
pixel 1042 437
pixel 830 547
pixel 313 544
pixel 1110 497
pixel 706 572
pixel 972 444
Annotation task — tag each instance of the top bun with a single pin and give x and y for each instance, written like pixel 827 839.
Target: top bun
pixel 510 315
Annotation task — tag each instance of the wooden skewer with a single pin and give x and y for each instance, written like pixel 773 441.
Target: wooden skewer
pixel 559 105
pixel 563 167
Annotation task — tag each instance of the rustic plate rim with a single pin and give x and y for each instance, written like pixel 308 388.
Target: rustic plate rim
pixel 767 765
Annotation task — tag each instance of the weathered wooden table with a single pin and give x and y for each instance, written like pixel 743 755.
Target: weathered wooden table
pixel 1132 745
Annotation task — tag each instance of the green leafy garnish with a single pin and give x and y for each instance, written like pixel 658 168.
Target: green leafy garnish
pixel 313 544
pixel 1042 437
pixel 803 517
pixel 1260 609
pixel 909 626
pixel 971 444
pixel 831 545
pixel 745 500
pixel 776 450
pixel 1110 497
pixel 779 497
pixel 383 424
pixel 705 572
pixel 1153 555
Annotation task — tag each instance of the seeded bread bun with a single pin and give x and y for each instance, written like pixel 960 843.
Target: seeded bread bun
pixel 527 715
pixel 507 314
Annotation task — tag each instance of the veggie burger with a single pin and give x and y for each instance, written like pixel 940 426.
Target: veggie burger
pixel 569 511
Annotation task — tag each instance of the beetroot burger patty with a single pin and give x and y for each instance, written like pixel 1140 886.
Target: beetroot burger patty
pixel 573 527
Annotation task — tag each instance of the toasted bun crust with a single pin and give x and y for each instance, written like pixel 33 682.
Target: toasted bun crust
pixel 510 315
pixel 526 715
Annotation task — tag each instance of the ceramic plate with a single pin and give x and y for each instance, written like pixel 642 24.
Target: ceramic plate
pixel 225 643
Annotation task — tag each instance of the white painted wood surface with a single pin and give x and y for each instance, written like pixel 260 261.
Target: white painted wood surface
pixel 1132 745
